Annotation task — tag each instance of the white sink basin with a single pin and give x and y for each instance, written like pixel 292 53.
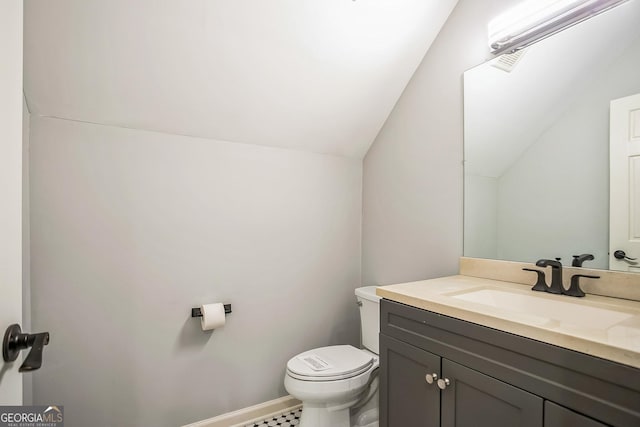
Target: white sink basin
pixel 566 312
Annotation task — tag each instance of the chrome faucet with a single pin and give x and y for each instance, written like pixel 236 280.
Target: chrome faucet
pixel 556 286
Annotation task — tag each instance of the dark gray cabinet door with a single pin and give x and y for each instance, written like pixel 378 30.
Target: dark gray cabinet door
pixel 406 398
pixel 472 399
pixel 557 416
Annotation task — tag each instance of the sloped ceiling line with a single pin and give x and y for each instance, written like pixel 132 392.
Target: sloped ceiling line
pixel 306 75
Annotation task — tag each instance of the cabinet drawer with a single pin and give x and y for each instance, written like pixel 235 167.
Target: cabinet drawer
pixel 601 389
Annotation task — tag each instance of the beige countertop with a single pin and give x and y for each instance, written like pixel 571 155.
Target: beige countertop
pixel 596 325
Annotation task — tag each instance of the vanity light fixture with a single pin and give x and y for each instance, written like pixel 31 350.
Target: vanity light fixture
pixel 533 20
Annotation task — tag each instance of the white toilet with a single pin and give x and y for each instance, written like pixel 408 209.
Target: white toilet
pixel 338 385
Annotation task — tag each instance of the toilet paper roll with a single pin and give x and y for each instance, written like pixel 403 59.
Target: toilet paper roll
pixel 212 316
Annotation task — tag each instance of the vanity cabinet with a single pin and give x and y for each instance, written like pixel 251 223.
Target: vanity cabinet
pixel 493 378
pixel 469 398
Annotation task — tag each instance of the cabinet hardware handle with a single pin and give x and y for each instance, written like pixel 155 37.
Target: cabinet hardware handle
pixel 443 383
pixel 431 378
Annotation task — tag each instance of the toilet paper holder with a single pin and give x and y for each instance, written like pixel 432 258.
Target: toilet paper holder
pixel 197 312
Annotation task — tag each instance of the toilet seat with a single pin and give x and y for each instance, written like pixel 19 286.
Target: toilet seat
pixel 331 363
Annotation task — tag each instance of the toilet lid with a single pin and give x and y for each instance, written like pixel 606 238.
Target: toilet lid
pixel 329 363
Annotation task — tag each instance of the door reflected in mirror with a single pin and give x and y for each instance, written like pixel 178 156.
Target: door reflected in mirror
pixel 537 143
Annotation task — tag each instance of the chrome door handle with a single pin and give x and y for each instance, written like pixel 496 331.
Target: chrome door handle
pixel 431 378
pixel 443 383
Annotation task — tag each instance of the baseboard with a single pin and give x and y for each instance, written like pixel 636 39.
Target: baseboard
pixel 247 415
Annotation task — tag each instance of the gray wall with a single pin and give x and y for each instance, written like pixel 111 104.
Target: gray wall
pixel 412 222
pixel 130 229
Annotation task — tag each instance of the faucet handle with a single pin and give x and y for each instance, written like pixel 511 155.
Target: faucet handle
pixel 541 284
pixel 574 290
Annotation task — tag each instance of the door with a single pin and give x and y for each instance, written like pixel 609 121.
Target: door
pixel 473 399
pixel 10 188
pixel 624 159
pixel 408 397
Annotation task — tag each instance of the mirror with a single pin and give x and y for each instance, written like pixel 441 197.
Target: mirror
pixel 536 138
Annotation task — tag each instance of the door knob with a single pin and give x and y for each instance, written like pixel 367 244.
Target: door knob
pixel 622 255
pixel 15 341
pixel 443 383
pixel 431 378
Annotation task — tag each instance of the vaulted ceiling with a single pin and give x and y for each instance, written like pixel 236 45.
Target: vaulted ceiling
pixel 313 75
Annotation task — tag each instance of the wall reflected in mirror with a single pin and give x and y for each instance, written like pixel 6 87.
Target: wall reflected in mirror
pixel 537 142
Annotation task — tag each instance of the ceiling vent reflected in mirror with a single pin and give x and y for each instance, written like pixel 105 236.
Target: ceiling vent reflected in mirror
pixel 508 61
pixel 533 20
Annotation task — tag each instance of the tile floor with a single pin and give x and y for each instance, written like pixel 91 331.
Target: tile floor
pixel 286 419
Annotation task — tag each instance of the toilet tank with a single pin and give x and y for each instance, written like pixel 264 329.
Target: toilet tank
pixel 369 304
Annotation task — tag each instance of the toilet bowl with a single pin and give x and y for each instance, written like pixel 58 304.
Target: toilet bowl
pixel 338 385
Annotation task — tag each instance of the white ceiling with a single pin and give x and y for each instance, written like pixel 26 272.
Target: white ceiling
pixel 506 112
pixel 316 75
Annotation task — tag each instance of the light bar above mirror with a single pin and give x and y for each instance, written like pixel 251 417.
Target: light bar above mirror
pixel 533 20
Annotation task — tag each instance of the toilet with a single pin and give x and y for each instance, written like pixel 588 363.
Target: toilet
pixel 338 385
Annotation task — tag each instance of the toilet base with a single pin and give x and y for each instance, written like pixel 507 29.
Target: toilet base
pixel 366 418
pixel 319 416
